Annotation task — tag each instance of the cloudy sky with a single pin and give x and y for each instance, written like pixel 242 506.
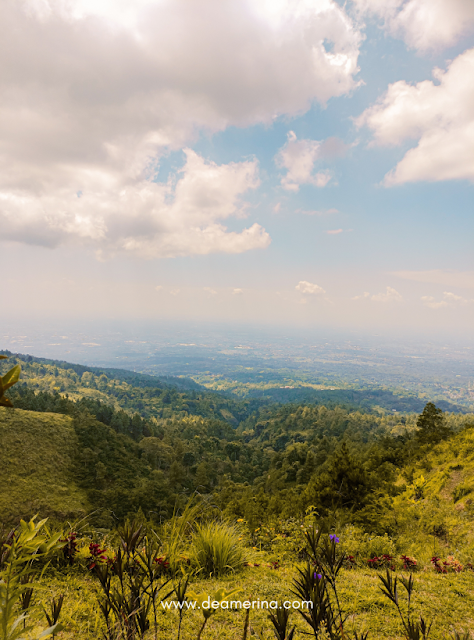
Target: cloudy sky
pixel 283 161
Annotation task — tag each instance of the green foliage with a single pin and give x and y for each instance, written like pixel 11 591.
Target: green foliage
pixel 216 549
pixel 432 426
pixel 363 546
pixel 131 584
pixel 175 535
pixel 413 629
pixel 21 554
pixel 6 381
pixel 117 396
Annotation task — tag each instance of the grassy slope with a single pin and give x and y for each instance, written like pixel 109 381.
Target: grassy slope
pixel 36 450
pixel 444 515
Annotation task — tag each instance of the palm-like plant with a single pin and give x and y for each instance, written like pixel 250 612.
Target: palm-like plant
pixel 8 380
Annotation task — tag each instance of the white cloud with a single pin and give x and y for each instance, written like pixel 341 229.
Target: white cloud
pixel 334 232
pixel 450 299
pixel 159 287
pixel 299 158
pixel 210 292
pixel 390 295
pixel 95 91
pixel 429 301
pixel 440 116
pixel 141 217
pixel 237 292
pixel 423 24
pixel 462 279
pixel 308 287
pixel 453 297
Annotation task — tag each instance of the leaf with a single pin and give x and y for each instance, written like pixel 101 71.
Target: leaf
pixel 3 357
pixel 11 377
pixel 50 630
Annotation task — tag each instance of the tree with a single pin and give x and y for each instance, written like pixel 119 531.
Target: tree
pixel 431 425
pixel 344 484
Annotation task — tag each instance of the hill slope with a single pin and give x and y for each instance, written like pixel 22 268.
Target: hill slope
pixel 36 470
pixel 439 500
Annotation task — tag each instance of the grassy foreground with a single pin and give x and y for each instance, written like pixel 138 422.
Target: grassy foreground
pixel 446 599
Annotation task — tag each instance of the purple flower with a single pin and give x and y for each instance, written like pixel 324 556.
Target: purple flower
pixel 334 537
pixel 317 576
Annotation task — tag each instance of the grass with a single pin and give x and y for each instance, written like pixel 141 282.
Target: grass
pixel 447 599
pixel 36 450
pixel 216 550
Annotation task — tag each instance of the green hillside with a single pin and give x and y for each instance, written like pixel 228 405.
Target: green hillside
pixel 145 396
pixel 437 507
pixel 36 470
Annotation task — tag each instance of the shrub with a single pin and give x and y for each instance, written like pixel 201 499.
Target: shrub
pixel 384 561
pixel 215 548
pixel 362 546
pixel 409 563
pixel 451 564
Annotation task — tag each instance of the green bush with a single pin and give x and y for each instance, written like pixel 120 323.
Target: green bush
pixel 216 549
pixel 364 546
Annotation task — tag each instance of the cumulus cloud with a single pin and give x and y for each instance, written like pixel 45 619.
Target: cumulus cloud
pixel 210 292
pixel 94 92
pixel 299 158
pixel 308 287
pixel 423 24
pixel 237 292
pixel 142 218
pixel 440 116
pixel 334 232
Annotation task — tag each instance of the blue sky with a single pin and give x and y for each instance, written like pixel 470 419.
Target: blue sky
pixel 297 162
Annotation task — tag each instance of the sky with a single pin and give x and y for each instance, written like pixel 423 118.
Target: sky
pixel 294 162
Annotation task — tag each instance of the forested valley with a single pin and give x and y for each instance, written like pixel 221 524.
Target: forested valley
pixel 110 449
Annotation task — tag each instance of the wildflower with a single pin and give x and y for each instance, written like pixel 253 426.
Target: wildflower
pixel 317 576
pixel 334 537
pixel 240 520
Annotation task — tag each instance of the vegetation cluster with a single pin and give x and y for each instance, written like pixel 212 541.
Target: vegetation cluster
pixel 205 495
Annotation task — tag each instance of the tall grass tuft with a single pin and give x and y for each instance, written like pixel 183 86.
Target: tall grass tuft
pixel 216 549
pixel 174 536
